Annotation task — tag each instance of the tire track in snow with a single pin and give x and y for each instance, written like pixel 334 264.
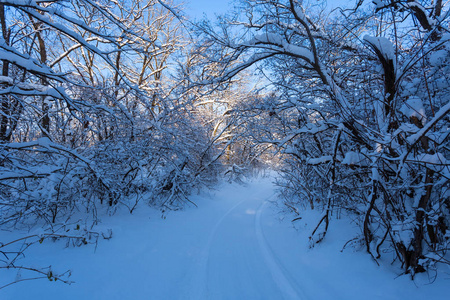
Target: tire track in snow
pixel 280 276
pixel 201 271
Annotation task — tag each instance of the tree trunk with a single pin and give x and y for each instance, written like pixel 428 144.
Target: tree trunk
pixel 5 105
pixel 45 120
pixel 420 217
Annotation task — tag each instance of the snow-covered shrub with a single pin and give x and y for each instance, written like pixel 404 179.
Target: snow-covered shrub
pixel 360 114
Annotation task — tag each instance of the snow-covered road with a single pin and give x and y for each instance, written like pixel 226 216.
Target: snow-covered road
pixel 235 245
pixel 237 262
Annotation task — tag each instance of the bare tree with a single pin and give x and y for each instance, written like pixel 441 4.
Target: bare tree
pixel 363 119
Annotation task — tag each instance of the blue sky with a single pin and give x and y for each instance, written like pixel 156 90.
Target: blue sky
pixel 196 8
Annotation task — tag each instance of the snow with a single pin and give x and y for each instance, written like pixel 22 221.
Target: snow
pixel 29 172
pixel 27 63
pixel 414 108
pixel 319 160
pixel 235 245
pixel 438 116
pixel 354 158
pixel 384 45
pixel 438 58
pixel 6 79
pixel 270 40
pixel 406 127
pixel 378 3
pixel 413 3
pixel 299 13
pixel 43 142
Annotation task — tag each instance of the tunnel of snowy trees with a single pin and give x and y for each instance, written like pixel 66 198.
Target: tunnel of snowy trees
pixel 108 104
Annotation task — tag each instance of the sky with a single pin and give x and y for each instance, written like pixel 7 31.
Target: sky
pixel 196 8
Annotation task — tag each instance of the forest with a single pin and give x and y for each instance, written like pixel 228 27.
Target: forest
pixel 108 104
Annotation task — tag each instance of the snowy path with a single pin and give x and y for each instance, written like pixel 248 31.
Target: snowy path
pixel 237 261
pixel 233 246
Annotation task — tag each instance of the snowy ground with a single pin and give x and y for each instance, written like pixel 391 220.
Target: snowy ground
pixel 233 246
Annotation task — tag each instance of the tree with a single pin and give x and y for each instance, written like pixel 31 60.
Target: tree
pixel 94 115
pixel 364 120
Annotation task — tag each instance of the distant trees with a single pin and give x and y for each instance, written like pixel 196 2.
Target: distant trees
pixel 362 111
